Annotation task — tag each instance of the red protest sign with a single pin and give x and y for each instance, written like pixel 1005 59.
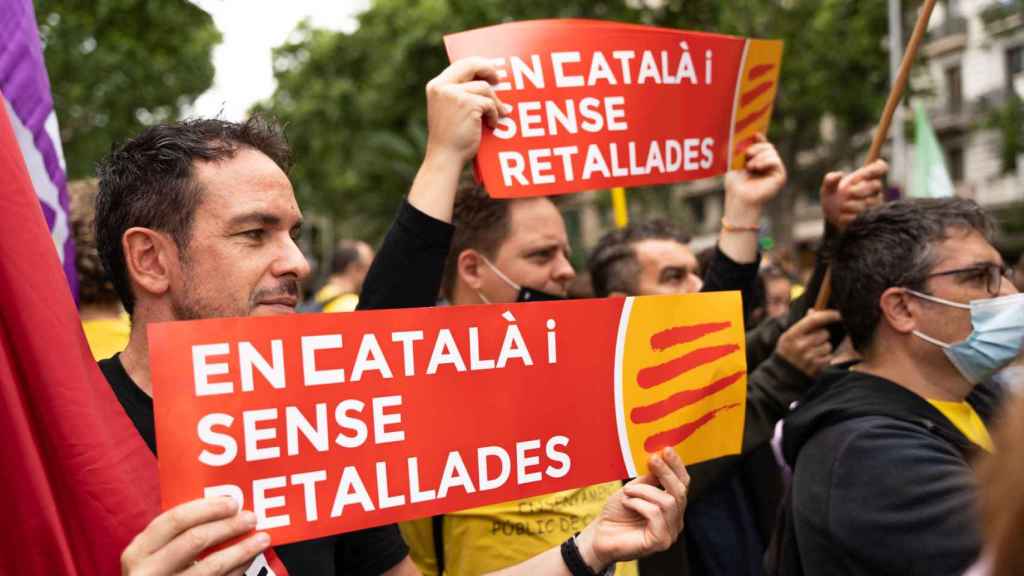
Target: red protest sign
pixel 603 104
pixel 334 422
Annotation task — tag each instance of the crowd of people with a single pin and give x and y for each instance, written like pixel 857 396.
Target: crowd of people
pixel 864 421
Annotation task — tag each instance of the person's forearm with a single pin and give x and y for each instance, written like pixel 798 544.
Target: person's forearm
pixel 550 562
pixel 433 190
pixel 740 245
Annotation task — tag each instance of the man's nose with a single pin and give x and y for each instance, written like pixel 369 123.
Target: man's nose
pixel 291 261
pixel 563 271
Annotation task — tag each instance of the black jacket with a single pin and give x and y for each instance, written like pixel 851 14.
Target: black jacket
pixel 728 533
pixel 882 481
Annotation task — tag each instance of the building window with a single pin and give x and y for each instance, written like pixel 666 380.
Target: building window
pixel 1015 70
pixel 955 162
pixel 954 89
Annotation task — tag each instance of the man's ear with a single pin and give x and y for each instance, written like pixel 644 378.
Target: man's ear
pixel 469 265
pixel 898 310
pixel 149 256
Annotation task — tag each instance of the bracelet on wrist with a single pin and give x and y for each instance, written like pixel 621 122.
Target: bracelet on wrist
pixel 575 563
pixel 734 228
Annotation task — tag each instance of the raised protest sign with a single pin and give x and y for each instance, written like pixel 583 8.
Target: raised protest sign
pixel 603 104
pixel 326 423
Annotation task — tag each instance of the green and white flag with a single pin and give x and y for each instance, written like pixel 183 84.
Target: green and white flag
pixel 930 178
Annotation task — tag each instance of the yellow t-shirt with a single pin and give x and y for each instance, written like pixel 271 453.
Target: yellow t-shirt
pixel 501 535
pixel 106 336
pixel 963 416
pixel 335 300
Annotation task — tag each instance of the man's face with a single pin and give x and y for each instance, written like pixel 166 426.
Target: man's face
pixel 242 259
pixel 777 297
pixel 666 267
pixel 535 254
pixel 961 251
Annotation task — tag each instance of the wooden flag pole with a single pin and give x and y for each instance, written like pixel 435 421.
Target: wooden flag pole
pixel 882 132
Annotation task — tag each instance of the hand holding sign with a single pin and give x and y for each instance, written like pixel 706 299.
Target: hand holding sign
pixel 641 518
pixel 175 539
pixel 748 190
pixel 458 100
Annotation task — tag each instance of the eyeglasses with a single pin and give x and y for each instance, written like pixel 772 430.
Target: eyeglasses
pixel 991 274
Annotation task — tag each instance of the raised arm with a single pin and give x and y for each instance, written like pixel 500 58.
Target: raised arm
pixel 407 270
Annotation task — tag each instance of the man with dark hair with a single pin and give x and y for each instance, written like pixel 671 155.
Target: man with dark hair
pixel 881 449
pixel 518 250
pixel 349 265
pixel 198 220
pixel 737 495
pixel 147 183
pixel 645 258
pixel 526 235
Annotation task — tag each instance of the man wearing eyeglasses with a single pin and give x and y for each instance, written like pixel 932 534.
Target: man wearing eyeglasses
pixel 881 449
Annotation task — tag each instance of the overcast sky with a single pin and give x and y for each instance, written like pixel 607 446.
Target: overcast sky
pixel 251 28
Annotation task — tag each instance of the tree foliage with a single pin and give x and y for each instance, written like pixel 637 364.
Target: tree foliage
pixel 355 107
pixel 118 65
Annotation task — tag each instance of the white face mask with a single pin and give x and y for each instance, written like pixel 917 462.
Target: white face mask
pixel 995 340
pixel 523 294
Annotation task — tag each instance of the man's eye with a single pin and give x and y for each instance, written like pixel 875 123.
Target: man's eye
pixel 255 234
pixel 975 276
pixel 672 277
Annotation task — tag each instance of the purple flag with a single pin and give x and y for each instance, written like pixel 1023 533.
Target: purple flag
pixel 25 91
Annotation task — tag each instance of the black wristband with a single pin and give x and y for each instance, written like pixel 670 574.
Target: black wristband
pixel 574 560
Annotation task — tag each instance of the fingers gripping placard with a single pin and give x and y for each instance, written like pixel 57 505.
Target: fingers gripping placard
pixel 328 423
pixel 603 104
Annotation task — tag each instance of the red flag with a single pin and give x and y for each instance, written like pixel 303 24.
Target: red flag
pixel 78 477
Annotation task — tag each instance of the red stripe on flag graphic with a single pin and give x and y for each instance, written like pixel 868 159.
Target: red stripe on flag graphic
pixel 655 375
pixel 679 434
pixel 750 95
pixel 684 334
pixel 749 119
pixel 680 400
pixel 758 71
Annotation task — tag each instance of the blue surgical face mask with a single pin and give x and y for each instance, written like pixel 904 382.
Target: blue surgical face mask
pixel 995 341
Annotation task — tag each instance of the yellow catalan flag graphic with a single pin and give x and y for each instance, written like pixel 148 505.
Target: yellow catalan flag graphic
pixel 682 378
pixel 755 95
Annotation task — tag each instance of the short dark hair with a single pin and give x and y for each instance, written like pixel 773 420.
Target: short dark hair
pixel 892 245
pixel 481 223
pixel 148 182
pixel 346 254
pixel 613 265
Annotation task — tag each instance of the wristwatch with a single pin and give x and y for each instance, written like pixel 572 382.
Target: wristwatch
pixel 574 560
